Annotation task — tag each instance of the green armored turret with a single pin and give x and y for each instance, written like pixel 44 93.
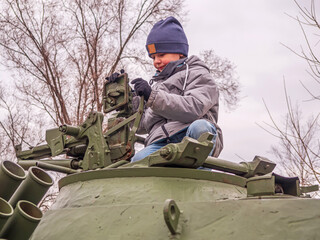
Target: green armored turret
pixel 165 195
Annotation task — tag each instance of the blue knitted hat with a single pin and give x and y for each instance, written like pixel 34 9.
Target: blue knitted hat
pixel 167 36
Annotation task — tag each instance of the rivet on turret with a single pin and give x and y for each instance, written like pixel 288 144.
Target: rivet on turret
pixel 165 152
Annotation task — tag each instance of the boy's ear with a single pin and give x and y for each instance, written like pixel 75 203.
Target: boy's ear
pixel 181 56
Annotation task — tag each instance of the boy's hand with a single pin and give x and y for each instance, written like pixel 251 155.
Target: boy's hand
pixel 142 88
pixel 114 76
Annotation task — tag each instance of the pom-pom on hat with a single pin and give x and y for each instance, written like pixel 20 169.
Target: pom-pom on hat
pixel 167 36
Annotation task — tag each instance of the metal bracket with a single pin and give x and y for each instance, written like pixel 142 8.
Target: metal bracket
pixel 136 123
pixel 116 94
pixel 171 215
pixel 97 154
pixel 308 189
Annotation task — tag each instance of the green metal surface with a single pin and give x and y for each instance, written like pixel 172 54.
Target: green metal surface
pixel 266 219
pixel 116 95
pixel 171 214
pixel 11 176
pixel 259 166
pixel 53 167
pixel 99 192
pixel 262 185
pixel 132 207
pixel 22 223
pixel 134 128
pixel 133 173
pixel 307 189
pixel 33 188
pixel 97 154
pixel 26 164
pixel 56 141
pixel 6 211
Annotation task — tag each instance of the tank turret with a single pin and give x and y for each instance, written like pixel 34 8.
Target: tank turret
pixel 178 192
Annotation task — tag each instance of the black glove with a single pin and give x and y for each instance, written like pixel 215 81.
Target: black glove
pixel 114 76
pixel 142 88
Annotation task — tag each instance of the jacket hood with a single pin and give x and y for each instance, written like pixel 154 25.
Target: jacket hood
pixel 177 66
pixel 193 61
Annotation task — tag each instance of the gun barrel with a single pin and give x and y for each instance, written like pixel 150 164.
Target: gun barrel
pixel 259 166
pixel 227 166
pixel 11 176
pixel 56 168
pixel 33 188
pixel 69 130
pixel 36 152
pixel 26 164
pixel 6 211
pixel 22 223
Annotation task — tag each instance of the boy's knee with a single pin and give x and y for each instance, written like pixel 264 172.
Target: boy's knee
pixel 136 157
pixel 139 155
pixel 200 126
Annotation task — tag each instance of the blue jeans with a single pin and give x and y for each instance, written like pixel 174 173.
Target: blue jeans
pixel 194 131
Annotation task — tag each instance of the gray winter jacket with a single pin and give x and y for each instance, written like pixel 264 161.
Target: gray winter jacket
pixel 182 93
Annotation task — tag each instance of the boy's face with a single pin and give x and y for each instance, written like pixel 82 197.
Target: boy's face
pixel 160 60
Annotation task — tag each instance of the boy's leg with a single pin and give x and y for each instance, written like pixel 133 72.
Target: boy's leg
pixel 194 131
pixel 201 126
pixel 147 151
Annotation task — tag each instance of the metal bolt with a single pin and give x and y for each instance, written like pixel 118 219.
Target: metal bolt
pixel 165 152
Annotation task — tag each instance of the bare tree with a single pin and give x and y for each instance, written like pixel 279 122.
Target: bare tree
pixel 310 27
pixel 5 142
pixel 18 126
pixel 223 72
pixel 298 150
pixel 62 50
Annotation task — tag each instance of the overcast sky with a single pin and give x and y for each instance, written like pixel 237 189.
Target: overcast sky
pixel 249 33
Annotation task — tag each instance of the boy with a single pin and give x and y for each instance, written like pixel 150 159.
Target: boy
pixel 183 100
